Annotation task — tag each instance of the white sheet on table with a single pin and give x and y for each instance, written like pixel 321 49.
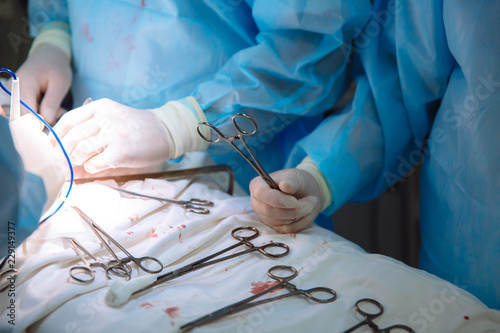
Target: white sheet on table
pixel 47 300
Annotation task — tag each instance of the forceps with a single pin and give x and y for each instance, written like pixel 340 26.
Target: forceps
pixel 119 266
pixel 290 273
pixel 243 240
pixel 86 268
pixel 241 136
pixel 193 205
pixel 370 316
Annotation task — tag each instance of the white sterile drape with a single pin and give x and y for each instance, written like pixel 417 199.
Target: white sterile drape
pixel 48 300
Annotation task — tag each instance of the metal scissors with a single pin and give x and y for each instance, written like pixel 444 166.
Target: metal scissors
pixel 85 270
pixel 120 266
pixel 275 273
pixel 207 261
pixel 241 136
pixel 193 205
pixel 370 316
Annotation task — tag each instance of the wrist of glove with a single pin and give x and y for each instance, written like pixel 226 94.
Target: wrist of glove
pixel 308 165
pixel 180 119
pixel 56 34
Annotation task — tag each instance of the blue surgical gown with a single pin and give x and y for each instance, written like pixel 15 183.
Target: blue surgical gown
pixel 276 61
pixel 426 70
pixel 22 195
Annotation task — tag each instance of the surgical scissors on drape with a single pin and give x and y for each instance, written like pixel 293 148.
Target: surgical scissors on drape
pixel 241 136
pixel 120 268
pixel 247 302
pixel 370 316
pixel 193 205
pixel 78 272
pixel 207 261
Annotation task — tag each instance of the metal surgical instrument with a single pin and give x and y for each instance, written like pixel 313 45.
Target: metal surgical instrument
pixel 207 261
pixel 290 273
pixel 241 136
pixel 192 205
pixel 86 268
pixel 120 268
pixel 369 316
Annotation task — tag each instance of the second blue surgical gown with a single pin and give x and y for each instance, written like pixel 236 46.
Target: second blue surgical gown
pixel 426 67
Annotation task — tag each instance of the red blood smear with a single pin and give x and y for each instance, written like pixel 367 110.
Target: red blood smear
pixel 258 287
pixel 146 305
pixel 129 42
pixel 172 312
pixel 134 218
pixel 466 317
pixel 86 33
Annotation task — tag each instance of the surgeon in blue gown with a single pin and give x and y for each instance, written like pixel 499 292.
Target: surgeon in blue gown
pixel 425 70
pixel 157 68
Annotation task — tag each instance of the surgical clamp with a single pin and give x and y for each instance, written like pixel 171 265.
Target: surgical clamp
pixel 207 261
pixel 121 267
pixel 283 281
pixel 86 268
pixel 192 205
pixel 241 136
pixel 369 316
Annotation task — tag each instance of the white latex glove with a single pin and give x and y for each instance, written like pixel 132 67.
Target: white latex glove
pixel 38 155
pixel 44 80
pixel 105 134
pixel 294 208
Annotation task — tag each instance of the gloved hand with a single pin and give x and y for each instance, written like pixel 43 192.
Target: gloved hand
pixel 105 134
pixel 38 155
pixel 295 207
pixel 44 80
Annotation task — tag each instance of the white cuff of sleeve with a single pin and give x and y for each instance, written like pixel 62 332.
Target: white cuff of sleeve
pixel 56 34
pixel 308 165
pixel 180 118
